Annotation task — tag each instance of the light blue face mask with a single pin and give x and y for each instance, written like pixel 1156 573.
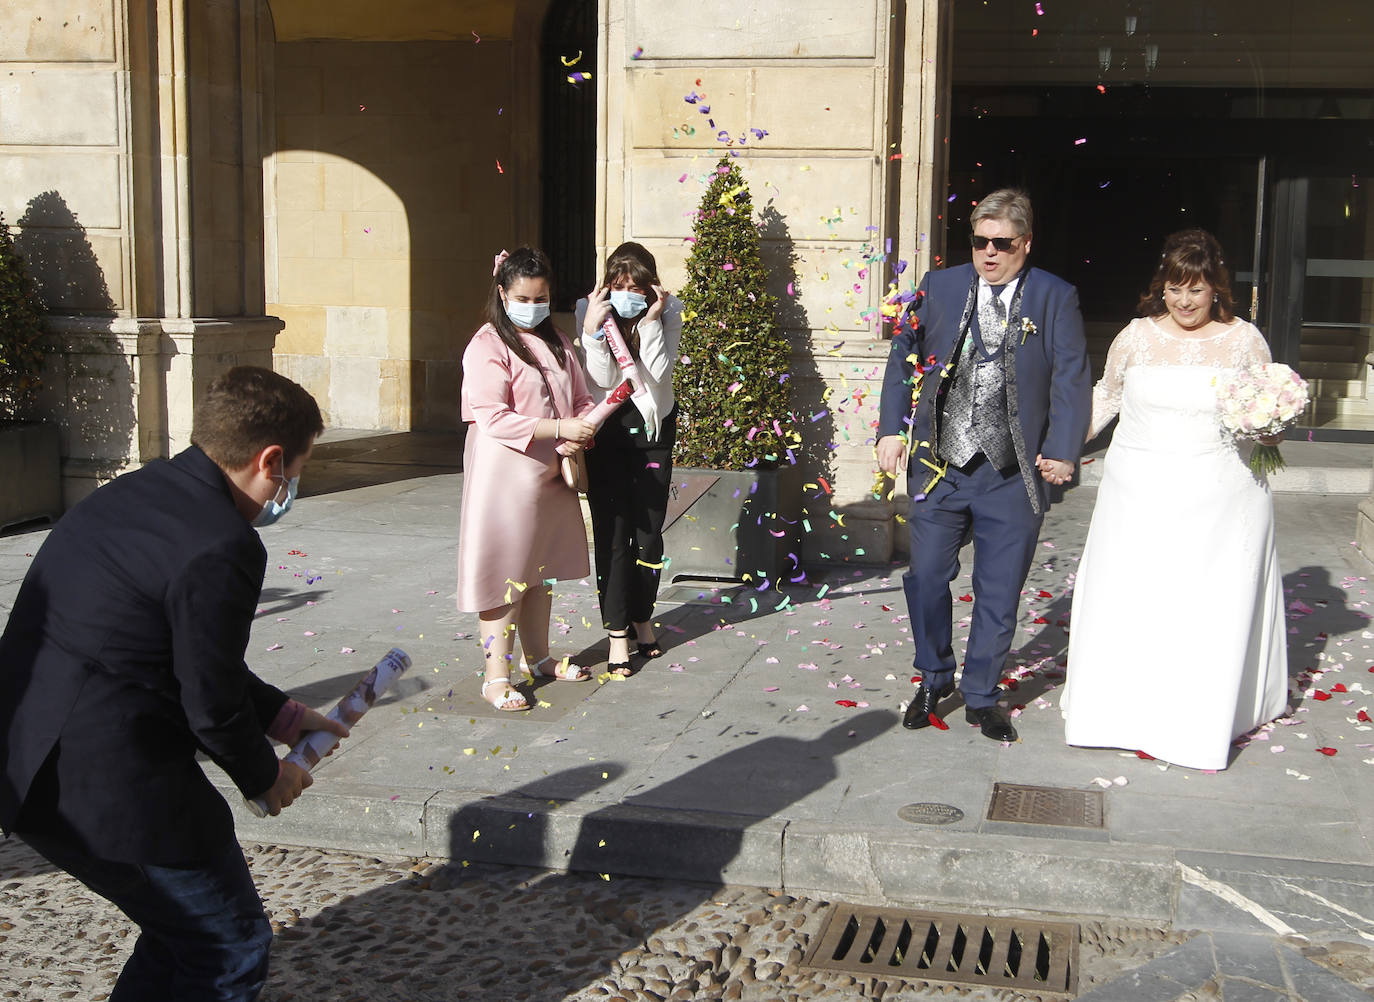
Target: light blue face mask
pixel 273 510
pixel 527 316
pixel 628 304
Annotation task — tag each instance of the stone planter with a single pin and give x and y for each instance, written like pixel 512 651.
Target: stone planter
pixel 31 456
pixel 733 525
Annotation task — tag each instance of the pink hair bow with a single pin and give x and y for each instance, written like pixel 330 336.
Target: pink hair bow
pixel 496 262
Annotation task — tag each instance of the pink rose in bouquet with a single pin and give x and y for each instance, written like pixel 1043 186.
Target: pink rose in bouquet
pixel 1258 402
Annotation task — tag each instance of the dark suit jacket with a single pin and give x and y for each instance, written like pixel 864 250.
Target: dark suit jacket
pixel 123 657
pixel 1049 389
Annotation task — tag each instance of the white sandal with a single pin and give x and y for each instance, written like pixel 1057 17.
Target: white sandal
pixel 512 700
pixel 564 671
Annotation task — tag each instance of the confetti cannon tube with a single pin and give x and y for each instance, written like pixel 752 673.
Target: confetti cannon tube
pixel 621 351
pixel 626 361
pixel 597 415
pixel 314 746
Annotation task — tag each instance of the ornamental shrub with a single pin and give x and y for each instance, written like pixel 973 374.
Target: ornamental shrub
pixel 732 376
pixel 21 326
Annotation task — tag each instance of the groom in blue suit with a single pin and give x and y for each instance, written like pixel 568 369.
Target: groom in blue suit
pixel 986 399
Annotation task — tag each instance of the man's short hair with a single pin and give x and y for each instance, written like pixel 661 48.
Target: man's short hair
pixel 1011 204
pixel 249 408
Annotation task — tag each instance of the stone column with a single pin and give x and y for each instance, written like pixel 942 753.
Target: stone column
pixel 131 172
pixel 1364 519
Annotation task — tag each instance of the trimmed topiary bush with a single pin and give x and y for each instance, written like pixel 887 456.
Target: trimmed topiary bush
pixel 732 377
pixel 21 326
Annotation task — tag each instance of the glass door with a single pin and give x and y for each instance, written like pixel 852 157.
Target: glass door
pixel 1322 295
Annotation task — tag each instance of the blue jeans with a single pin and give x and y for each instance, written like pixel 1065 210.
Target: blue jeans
pixel 205 937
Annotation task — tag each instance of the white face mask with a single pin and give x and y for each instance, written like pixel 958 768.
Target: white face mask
pixel 628 304
pixel 527 316
pixel 273 509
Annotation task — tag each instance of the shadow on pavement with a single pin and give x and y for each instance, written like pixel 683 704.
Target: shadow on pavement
pixel 477 931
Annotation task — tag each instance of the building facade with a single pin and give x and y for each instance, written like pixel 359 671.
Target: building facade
pixel 321 186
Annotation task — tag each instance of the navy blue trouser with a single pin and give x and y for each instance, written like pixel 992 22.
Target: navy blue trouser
pixel 1005 530
pixel 204 935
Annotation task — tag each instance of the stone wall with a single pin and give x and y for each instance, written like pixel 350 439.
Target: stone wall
pixel 395 178
pixel 833 110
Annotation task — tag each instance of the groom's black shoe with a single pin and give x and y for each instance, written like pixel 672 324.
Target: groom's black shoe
pixel 993 722
pixel 923 704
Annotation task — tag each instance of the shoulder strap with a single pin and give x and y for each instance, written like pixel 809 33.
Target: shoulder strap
pixel 548 388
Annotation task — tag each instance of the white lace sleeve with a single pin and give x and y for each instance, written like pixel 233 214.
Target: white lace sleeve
pixel 1107 392
pixel 1255 349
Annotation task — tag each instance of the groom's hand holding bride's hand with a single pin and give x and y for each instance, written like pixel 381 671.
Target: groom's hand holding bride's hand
pixel 1055 471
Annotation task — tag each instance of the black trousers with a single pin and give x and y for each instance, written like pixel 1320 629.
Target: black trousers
pixel 628 496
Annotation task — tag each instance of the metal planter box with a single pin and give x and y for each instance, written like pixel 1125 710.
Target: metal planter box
pixel 733 525
pixel 30 472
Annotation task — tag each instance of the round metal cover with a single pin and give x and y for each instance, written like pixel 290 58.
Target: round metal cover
pixel 931 814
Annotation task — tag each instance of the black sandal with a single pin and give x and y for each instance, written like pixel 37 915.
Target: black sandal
pixel 619 669
pixel 650 650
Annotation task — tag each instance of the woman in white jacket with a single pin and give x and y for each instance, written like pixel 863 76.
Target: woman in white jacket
pixel 632 462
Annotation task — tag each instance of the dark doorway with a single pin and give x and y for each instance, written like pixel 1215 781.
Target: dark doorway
pixel 568 161
pixel 1127 120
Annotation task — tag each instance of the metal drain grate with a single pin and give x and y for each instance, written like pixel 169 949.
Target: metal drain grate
pixel 936 946
pixel 1046 805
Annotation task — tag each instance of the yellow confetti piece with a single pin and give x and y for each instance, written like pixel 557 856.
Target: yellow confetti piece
pixel 469 751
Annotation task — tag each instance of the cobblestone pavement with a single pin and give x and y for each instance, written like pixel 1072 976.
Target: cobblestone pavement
pixel 354 928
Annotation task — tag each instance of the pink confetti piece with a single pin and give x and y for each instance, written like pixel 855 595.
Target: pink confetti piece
pixel 770 688
pixel 275 647
pixel 347 650
pixel 309 633
pixel 803 709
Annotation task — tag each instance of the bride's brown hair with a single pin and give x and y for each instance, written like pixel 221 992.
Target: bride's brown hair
pixel 1189 255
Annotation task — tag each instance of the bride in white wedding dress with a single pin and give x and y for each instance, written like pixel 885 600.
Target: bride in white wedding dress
pixel 1177 642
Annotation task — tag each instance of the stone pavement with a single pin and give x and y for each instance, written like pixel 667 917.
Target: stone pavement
pixel 737 758
pixel 353 928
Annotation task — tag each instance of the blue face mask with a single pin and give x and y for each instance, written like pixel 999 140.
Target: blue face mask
pixel 273 510
pixel 527 316
pixel 628 304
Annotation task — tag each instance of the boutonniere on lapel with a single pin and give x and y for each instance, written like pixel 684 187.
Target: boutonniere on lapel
pixel 1028 329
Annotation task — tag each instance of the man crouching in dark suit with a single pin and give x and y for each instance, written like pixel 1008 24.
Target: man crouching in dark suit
pixel 124 656
pixel 1001 408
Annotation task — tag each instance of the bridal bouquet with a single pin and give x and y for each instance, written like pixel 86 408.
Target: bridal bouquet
pixel 1260 401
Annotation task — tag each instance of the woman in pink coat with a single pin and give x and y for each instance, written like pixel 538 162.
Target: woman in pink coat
pixel 523 394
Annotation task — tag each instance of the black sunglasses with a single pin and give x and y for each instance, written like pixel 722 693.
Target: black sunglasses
pixel 1003 244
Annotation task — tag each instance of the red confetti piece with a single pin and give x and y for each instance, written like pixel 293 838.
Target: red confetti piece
pixel 1046 594
pixel 1362 717
pixel 499 168
pixel 845 702
pixel 1339 687
pixel 1317 694
pixel 1040 621
pixel 1328 752
pixel 1144 755
pixel 937 723
pixel 965 598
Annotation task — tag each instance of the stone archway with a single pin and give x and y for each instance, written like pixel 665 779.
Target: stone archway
pixel 403 153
